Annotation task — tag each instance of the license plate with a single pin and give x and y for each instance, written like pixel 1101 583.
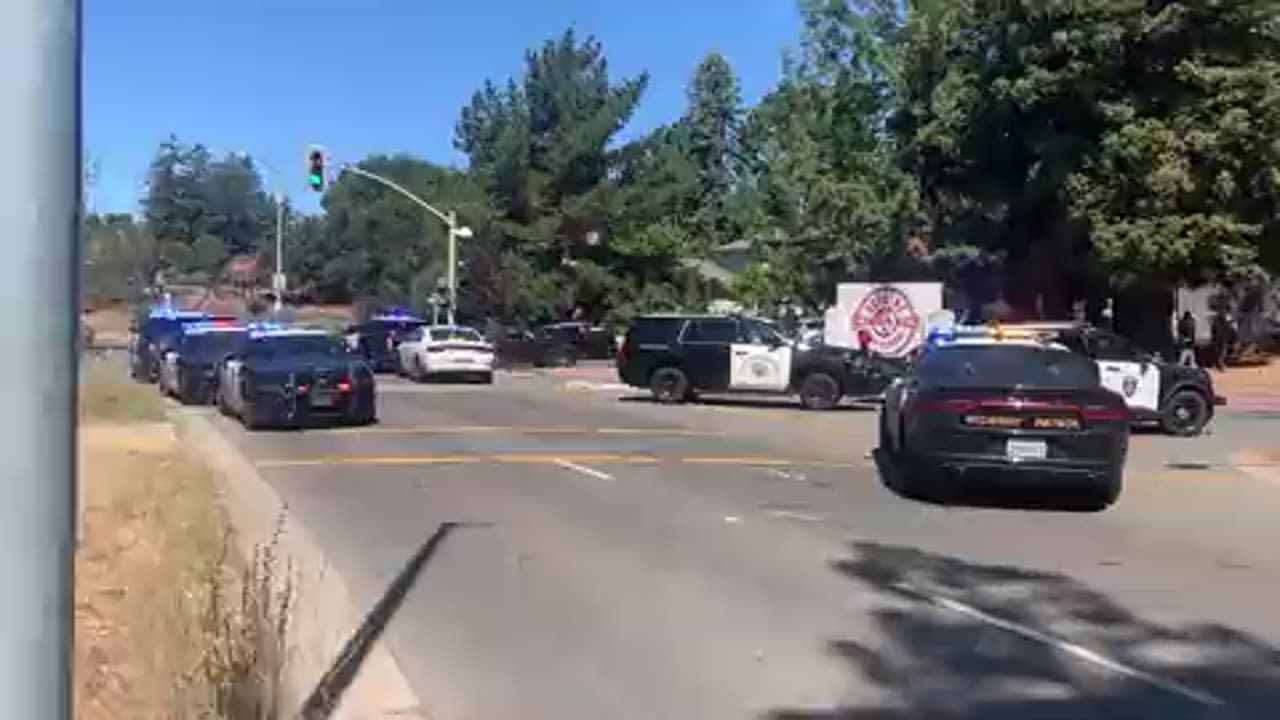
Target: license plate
pixel 464 360
pixel 322 399
pixel 1026 450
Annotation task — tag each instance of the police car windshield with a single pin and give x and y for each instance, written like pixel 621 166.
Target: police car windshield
pixel 999 365
pixel 210 346
pixel 278 346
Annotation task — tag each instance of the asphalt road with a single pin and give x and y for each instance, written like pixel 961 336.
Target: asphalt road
pixel 733 560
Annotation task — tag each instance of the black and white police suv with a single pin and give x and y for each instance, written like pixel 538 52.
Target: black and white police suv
pixel 189 370
pixel 1021 414
pixel 292 376
pixel 1179 399
pixel 679 356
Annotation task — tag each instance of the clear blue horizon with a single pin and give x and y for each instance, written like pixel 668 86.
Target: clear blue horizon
pixel 383 76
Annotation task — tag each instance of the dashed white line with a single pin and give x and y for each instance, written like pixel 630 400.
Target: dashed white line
pixel 1064 646
pixel 793 515
pixel 592 472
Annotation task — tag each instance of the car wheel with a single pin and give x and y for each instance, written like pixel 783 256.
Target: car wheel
pixel 819 391
pixel 419 373
pixel 1185 414
pixel 669 385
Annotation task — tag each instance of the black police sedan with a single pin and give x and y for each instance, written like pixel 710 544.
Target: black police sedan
pixel 1021 414
pixel 291 377
pixel 189 371
pixel 156 333
pixel 375 339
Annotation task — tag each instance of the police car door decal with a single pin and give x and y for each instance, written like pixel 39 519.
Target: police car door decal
pixel 759 367
pixel 1137 382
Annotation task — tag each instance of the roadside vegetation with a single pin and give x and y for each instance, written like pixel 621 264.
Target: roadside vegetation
pixel 170 623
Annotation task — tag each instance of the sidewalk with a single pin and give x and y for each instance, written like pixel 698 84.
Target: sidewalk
pixel 1250 389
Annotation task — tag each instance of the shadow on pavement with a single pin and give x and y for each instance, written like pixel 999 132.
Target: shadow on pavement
pixel 933 660
pixel 327 694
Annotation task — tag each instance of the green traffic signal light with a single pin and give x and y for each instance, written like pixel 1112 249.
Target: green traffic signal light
pixel 315 170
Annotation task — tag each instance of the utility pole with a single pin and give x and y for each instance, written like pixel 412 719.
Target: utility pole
pixel 450 219
pixel 452 273
pixel 40 211
pixel 279 276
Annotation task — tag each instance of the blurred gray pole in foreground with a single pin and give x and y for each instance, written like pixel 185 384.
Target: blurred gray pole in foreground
pixel 39 291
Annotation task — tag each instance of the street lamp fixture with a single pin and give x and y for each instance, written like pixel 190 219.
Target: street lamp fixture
pixel 463 232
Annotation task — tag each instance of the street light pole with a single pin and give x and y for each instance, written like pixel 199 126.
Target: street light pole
pixel 40 212
pixel 450 219
pixel 278 280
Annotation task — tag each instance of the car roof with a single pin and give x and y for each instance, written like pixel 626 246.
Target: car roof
pixel 288 332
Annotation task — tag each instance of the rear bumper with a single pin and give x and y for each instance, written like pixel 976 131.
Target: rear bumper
pixel 282 410
pixel 965 469
pixel 453 367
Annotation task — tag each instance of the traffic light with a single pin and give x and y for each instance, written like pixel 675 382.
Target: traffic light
pixel 315 169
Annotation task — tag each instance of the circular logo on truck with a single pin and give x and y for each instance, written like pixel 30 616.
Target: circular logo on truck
pixel 887 313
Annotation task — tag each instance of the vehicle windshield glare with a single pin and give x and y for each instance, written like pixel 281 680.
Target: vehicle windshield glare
pixel 210 346
pixel 288 345
pixel 1005 366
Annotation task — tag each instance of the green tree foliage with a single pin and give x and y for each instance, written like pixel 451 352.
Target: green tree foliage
pixel 119 258
pixel 1132 138
pixel 191 195
pixel 376 242
pixel 712 125
pixel 831 203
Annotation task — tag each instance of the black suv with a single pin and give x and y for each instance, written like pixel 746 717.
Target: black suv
pixel 679 356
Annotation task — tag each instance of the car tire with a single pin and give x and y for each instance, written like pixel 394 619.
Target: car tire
pixel 250 417
pixel 819 391
pixel 669 385
pixel 1185 414
pixel 418 373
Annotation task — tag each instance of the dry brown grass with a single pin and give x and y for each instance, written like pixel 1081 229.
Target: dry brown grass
pixel 168 623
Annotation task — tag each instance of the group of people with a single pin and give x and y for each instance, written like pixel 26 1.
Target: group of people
pixel 1223 334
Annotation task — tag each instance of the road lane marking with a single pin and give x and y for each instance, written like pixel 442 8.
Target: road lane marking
pixel 794 515
pixel 591 472
pixel 389 460
pixel 540 458
pixel 515 430
pixel 1064 646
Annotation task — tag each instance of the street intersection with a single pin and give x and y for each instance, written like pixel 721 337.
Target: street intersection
pixel 732 559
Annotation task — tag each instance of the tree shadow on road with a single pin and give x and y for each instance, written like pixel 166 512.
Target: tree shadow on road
pixel 953 645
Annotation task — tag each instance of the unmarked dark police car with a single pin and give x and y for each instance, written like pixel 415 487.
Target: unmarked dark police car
pixel 294 376
pixel 1020 414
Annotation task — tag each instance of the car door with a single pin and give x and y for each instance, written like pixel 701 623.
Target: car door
pixel 705 351
pixel 1125 372
pixel 760 359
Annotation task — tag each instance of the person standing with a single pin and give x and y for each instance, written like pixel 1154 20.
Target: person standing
pixel 1220 338
pixel 1187 339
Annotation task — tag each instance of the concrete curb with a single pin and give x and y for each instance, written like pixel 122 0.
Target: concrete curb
pixel 323 615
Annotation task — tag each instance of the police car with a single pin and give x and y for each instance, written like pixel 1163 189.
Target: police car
pixel 1020 413
pixel 154 334
pixel 377 337
pixel 677 357
pixel 442 351
pixel 189 371
pixel 1180 400
pixel 292 376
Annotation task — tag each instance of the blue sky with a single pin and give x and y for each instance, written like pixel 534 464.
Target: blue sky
pixel 267 77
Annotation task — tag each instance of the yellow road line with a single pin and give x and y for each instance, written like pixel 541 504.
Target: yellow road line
pixel 513 430
pixel 543 459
